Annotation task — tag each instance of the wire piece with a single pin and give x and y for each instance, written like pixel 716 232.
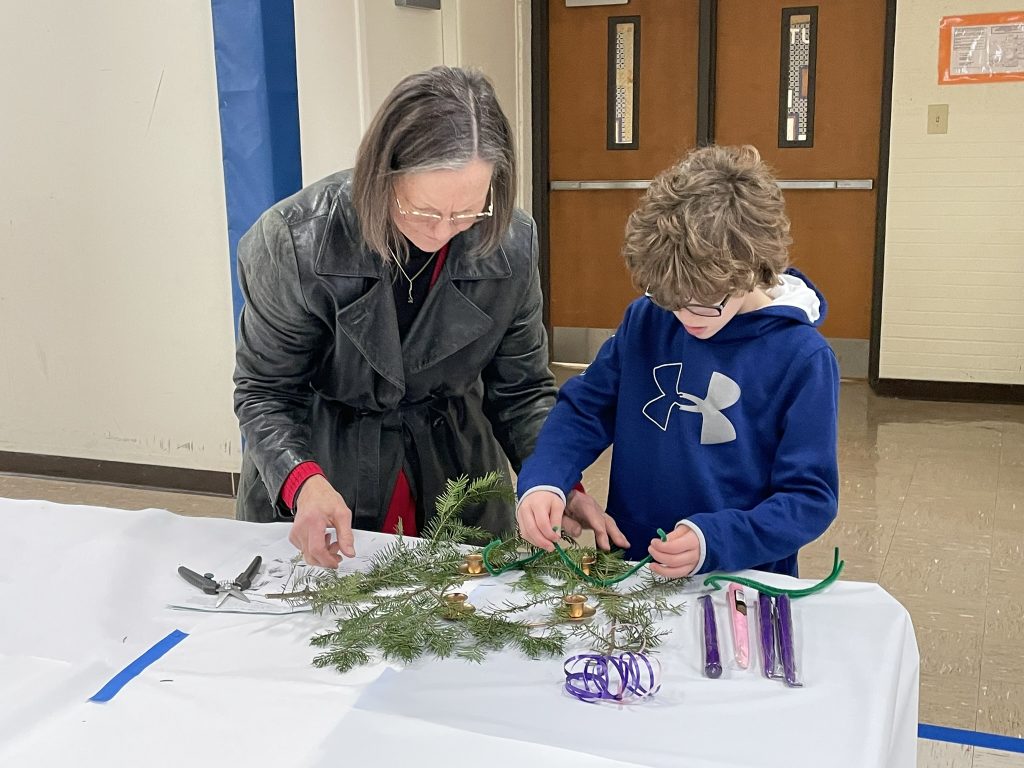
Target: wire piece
pixel 715 582
pixel 569 562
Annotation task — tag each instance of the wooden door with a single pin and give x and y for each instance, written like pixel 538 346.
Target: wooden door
pixel 590 287
pixel 833 229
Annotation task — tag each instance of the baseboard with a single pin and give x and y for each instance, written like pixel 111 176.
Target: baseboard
pixel 950 391
pixel 120 473
pixel 577 346
pixel 852 356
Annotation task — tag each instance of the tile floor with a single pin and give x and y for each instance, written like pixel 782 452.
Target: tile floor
pixel 931 507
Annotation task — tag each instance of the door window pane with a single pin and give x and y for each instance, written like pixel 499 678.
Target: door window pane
pixel 796 76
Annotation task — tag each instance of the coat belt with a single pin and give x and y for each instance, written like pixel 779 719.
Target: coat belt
pixel 370 426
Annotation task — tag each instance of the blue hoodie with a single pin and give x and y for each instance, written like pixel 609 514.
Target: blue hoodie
pixel 734 435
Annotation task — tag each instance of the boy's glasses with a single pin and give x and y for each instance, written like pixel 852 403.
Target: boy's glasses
pixel 701 310
pixel 456 219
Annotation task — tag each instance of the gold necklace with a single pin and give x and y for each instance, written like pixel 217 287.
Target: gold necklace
pixel 418 272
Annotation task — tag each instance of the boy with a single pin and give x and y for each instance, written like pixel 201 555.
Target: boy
pixel 717 390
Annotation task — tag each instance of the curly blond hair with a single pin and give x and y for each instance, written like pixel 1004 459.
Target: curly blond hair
pixel 712 225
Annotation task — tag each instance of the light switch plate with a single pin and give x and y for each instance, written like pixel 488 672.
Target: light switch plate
pixel 938 118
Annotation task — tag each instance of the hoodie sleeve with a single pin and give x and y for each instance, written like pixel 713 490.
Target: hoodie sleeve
pixel 580 426
pixel 804 489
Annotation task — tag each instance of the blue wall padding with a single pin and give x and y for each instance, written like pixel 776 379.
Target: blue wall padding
pixel 257 94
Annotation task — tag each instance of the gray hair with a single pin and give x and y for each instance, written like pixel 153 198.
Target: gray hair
pixel 440 119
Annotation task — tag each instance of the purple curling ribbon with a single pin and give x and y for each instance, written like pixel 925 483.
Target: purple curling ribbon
pixel 784 613
pixel 766 630
pixel 593 677
pixel 712 660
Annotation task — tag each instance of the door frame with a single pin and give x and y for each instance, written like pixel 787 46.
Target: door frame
pixel 540 162
pixel 706 56
pixel 540 102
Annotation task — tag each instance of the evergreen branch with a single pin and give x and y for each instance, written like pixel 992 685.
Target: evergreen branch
pixel 399 608
pixel 458 495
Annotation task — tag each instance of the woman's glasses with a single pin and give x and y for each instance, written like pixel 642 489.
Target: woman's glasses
pixel 458 220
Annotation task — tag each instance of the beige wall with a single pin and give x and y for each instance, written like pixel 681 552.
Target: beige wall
pixel 115 294
pixel 115 305
pixel 350 53
pixel 116 338
pixel 494 36
pixel 953 307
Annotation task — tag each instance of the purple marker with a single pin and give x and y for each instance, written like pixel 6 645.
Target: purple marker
pixel 712 661
pixel 785 615
pixel 766 630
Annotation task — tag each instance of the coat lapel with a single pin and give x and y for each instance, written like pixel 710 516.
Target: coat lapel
pixel 370 325
pixel 369 321
pixel 449 321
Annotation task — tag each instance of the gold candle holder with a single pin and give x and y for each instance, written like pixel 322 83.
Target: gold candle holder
pixel 577 608
pixel 575 604
pixel 473 566
pixel 474 563
pixel 586 563
pixel 456 605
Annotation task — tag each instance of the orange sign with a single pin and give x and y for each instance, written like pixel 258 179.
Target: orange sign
pixel 981 48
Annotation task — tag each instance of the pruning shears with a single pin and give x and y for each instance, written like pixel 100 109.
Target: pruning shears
pixel 225 589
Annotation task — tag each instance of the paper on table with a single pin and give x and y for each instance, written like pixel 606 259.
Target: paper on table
pixel 283 570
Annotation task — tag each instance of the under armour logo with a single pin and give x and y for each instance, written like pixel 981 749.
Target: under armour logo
pixel 722 392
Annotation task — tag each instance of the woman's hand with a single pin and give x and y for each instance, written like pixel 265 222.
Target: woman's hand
pixel 318 508
pixel 677 555
pixel 583 512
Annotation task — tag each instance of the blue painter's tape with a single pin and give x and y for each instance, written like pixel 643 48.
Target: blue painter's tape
pixel 971 738
pixel 120 680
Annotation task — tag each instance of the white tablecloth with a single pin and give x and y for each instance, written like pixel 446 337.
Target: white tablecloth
pixel 85 592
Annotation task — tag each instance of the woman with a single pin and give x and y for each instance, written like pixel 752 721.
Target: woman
pixel 392 335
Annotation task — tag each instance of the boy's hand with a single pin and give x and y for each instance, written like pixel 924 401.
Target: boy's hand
pixel 583 512
pixel 678 555
pixel 540 519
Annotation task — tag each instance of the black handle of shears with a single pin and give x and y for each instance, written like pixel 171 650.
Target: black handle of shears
pixel 209 586
pixel 244 580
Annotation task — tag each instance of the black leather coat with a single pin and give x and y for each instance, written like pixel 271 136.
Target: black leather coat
pixel 321 374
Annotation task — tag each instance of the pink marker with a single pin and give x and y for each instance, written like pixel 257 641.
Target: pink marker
pixel 738 619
